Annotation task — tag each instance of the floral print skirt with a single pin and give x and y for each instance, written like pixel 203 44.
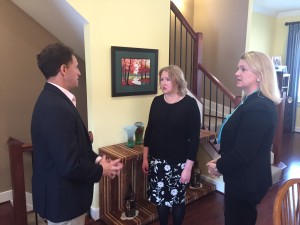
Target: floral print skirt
pixel 164 187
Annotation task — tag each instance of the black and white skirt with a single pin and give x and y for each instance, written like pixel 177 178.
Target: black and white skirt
pixel 164 187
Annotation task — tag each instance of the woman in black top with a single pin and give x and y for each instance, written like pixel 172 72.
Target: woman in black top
pixel 246 140
pixel 170 145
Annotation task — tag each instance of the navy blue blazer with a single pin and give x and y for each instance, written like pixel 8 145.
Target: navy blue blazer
pixel 246 142
pixel 64 169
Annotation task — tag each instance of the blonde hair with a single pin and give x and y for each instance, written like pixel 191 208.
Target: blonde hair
pixel 177 77
pixel 262 65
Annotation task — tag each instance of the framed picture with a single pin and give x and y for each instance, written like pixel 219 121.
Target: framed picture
pixel 276 60
pixel 134 71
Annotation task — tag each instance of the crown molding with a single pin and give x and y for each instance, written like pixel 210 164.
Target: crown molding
pixel 289 13
pixel 273 13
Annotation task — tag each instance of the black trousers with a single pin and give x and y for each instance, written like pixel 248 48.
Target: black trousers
pixel 240 206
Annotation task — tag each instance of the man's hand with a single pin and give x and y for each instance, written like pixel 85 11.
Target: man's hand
pixel 111 168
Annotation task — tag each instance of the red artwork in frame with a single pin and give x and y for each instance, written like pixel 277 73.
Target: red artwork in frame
pixel 134 71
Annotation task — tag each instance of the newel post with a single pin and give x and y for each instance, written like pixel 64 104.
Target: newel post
pixel 16 149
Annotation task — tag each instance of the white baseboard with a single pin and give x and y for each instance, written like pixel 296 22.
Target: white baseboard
pixel 95 213
pixel 29 203
pixel 7 196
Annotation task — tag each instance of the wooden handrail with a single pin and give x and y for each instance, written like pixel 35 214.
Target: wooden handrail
pixel 183 20
pixel 211 77
pixel 16 150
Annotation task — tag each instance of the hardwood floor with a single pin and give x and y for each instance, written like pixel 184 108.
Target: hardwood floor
pixel 291 157
pixel 209 209
pixel 6 215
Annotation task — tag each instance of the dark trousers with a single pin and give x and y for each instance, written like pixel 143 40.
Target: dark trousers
pixel 240 207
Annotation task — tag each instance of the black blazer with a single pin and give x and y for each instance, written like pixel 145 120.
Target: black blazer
pixel 246 142
pixel 64 169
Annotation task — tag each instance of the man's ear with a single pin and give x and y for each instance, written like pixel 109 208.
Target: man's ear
pixel 63 69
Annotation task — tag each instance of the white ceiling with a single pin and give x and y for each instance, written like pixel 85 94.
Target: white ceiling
pixel 61 20
pixel 276 7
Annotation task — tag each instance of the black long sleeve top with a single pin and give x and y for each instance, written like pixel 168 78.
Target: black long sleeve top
pixel 173 130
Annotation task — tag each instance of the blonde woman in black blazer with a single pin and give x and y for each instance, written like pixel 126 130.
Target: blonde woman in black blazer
pixel 246 140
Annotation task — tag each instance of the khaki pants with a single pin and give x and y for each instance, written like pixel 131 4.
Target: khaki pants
pixel 76 221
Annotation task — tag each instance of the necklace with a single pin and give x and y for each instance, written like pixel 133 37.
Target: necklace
pixel 172 102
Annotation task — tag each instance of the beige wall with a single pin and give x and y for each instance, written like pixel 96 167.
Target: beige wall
pixel 224 25
pixel 132 27
pixel 20 40
pixel 269 34
pixel 130 23
pixel 262 33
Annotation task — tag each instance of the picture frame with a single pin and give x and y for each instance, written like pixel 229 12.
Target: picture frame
pixel 276 60
pixel 134 71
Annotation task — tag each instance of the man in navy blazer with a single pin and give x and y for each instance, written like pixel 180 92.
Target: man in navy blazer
pixel 65 167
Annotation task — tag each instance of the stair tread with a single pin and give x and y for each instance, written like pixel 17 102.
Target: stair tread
pixel 206 135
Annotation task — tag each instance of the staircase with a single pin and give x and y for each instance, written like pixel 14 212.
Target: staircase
pixel 215 100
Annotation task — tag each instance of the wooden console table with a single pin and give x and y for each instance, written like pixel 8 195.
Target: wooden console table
pixel 112 192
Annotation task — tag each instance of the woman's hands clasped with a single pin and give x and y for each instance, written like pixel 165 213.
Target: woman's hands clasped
pixel 212 168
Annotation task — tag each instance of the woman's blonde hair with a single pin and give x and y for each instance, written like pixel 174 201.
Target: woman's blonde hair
pixel 177 77
pixel 262 65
